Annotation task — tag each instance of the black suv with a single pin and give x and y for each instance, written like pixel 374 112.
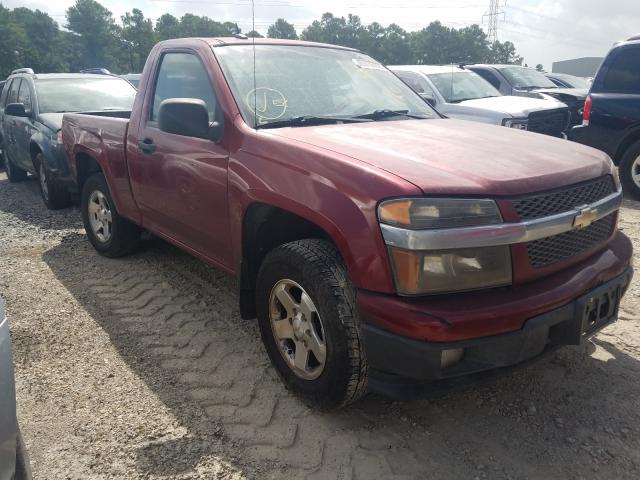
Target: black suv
pixel 31 109
pixel 611 119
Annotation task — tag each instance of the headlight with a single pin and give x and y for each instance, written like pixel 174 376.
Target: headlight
pixel 429 213
pixel 518 123
pixel 439 271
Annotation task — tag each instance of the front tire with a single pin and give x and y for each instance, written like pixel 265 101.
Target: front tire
pixel 14 174
pixel 53 194
pixel 109 233
pixel 630 171
pixel 309 323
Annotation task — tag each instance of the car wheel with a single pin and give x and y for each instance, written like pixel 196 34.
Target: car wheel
pixel 109 233
pixel 23 467
pixel 630 171
pixel 53 194
pixel 309 323
pixel 14 174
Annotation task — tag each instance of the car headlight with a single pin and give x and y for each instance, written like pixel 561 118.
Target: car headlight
pixel 518 123
pixel 439 271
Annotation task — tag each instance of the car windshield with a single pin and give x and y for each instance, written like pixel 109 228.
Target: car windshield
pixel 524 78
pixel 302 81
pixel 575 82
pixel 459 86
pixel 84 94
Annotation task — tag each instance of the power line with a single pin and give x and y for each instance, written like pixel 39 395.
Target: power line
pixel 494 12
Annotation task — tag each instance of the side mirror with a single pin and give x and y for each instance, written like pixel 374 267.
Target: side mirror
pixel 188 117
pixel 16 110
pixel 429 99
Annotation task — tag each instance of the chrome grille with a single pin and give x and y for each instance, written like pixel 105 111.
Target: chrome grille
pixel 553 249
pixel 552 122
pixel 549 203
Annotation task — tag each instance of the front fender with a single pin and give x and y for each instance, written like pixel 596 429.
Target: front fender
pixel 8 421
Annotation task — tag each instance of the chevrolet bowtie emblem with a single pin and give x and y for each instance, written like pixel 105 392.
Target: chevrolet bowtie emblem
pixel 585 218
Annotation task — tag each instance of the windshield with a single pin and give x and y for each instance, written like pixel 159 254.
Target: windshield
pixel 575 82
pixel 296 81
pixel 84 94
pixel 524 78
pixel 458 86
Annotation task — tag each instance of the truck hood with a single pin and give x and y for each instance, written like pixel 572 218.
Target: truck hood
pixel 511 105
pixel 578 93
pixel 51 120
pixel 453 156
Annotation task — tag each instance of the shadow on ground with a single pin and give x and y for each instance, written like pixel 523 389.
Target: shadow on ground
pixel 174 321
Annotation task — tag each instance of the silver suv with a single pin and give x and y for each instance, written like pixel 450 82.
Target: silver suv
pixel 460 93
pixel 14 463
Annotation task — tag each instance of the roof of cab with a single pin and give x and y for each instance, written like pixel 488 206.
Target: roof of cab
pixel 63 76
pixel 224 41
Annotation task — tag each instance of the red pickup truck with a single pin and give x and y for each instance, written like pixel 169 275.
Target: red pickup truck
pixel 377 243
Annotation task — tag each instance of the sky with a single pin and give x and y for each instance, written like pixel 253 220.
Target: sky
pixel 543 31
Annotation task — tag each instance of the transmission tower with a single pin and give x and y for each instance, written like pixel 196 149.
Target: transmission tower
pixel 494 12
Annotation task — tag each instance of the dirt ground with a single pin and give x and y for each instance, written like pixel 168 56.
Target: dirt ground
pixel 141 368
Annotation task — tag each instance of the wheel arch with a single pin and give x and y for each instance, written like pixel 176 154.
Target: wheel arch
pixel 85 165
pixel 265 227
pixel 631 138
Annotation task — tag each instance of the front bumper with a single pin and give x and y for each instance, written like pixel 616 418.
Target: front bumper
pixel 393 356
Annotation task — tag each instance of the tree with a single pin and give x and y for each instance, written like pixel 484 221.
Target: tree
pixel 138 38
pixel 504 53
pixel 167 26
pixel 97 34
pixel 282 29
pixel 254 34
pixel 540 67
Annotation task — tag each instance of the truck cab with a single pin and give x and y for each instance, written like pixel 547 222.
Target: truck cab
pixel 377 243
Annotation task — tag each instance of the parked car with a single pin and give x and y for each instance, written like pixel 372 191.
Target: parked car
pixel 376 242
pixel 564 80
pixel 14 460
pixel 462 94
pixel 527 82
pixel 611 120
pixel 133 78
pixel 31 109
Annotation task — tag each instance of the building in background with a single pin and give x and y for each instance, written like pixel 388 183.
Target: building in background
pixel 580 67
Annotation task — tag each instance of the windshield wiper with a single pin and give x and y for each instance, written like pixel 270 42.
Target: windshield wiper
pixel 380 114
pixel 305 120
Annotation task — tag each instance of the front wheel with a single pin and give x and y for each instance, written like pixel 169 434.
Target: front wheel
pixel 54 195
pixel 109 233
pixel 14 174
pixel 309 323
pixel 630 171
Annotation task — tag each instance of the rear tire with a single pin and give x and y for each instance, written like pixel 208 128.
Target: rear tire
pixel 109 233
pixel 315 280
pixel 54 195
pixel 14 174
pixel 630 171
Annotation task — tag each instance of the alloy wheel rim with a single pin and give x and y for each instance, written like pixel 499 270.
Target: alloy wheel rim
pixel 635 172
pixel 43 182
pixel 100 217
pixel 297 329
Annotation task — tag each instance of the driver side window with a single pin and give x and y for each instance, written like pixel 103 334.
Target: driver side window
pixel 182 75
pixel 24 95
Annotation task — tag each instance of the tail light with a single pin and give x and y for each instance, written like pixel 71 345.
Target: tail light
pixel 586 113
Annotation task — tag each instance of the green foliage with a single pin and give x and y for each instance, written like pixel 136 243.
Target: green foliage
pixel 282 29
pixel 540 67
pixel 93 38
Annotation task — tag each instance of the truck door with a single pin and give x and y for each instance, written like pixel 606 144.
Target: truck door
pixel 24 128
pixel 9 122
pixel 180 183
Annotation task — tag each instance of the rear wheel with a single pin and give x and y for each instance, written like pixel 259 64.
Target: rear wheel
pixel 630 171
pixel 309 323
pixel 14 174
pixel 109 233
pixel 54 195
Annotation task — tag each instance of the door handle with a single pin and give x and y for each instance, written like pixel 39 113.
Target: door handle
pixel 147 146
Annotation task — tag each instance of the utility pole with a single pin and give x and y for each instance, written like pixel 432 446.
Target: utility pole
pixel 494 12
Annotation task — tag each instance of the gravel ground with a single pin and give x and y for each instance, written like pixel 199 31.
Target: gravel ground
pixel 142 368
